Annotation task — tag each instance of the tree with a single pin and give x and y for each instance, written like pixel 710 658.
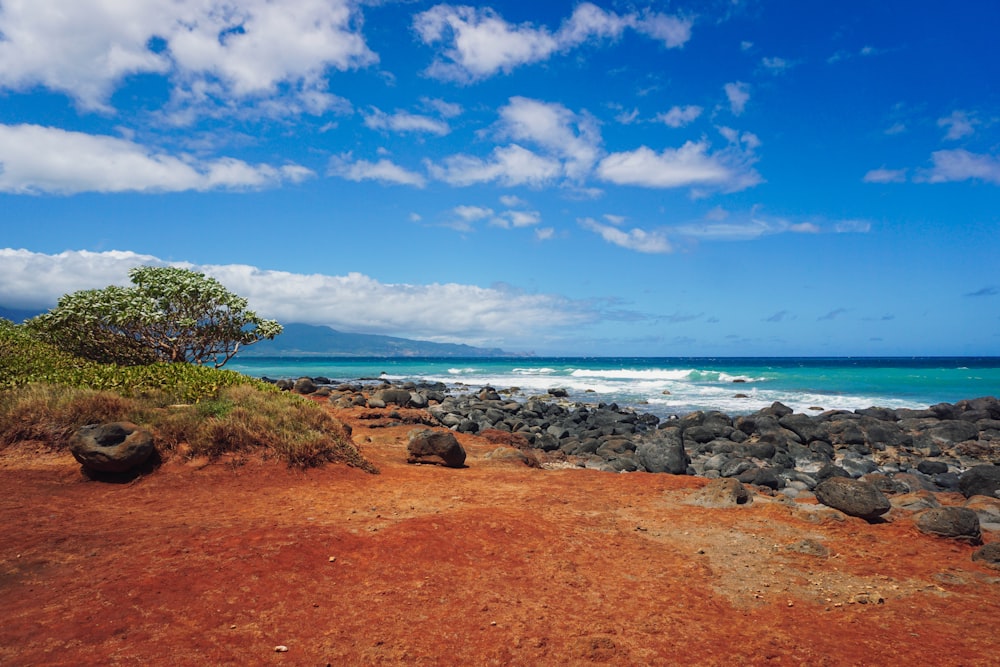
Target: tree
pixel 169 314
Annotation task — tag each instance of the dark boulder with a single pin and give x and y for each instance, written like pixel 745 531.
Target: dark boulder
pixel 115 447
pixel 988 555
pixel 951 432
pixel 427 446
pixel 932 467
pixel 980 481
pixel 400 397
pixel 304 385
pixel 853 497
pixel 957 523
pixel 663 451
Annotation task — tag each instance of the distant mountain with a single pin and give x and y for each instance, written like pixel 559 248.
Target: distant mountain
pixel 308 340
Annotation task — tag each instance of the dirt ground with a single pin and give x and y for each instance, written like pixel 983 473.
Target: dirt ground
pixel 494 564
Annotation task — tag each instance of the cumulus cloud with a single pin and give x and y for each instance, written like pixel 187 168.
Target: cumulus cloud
pixel 692 164
pixel 636 238
pixel 679 116
pixel 738 94
pixel 961 165
pixel 883 175
pixel 960 124
pixel 383 171
pixel 480 43
pixel 507 165
pixel 46 160
pixel 352 302
pixel 775 65
pixel 404 121
pixel 206 48
pixel 572 138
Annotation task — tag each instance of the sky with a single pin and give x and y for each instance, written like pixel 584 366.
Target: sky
pixel 691 178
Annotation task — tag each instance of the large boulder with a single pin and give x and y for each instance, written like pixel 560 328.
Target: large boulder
pixel 427 446
pixel 980 481
pixel 400 397
pixel 663 452
pixel 114 447
pixel 853 497
pixel 958 523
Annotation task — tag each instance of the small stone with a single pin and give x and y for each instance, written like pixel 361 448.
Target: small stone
pixel 281 648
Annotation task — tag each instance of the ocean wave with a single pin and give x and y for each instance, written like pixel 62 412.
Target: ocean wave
pixel 533 371
pixel 655 374
pixel 462 371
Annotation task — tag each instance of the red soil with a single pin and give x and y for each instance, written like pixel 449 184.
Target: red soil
pixel 494 564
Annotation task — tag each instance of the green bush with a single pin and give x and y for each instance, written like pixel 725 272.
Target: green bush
pixel 46 394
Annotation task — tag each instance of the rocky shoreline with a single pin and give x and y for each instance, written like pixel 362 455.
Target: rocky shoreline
pixel 898 450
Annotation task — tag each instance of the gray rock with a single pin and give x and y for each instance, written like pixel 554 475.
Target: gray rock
pixel 951 432
pixel 304 385
pixel 932 467
pixel 957 523
pixel 115 447
pixel 400 397
pixel 427 446
pixel 989 555
pixel 980 481
pixel 853 497
pixel 663 452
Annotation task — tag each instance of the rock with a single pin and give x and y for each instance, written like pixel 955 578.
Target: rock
pixel 304 386
pixel 427 446
pixel 558 392
pixel 980 481
pixel 915 501
pixel 721 493
pixel 114 447
pixel 810 547
pixel 853 497
pixel 989 555
pixel 932 467
pixel 400 397
pixel 958 523
pixel 951 432
pixel 663 452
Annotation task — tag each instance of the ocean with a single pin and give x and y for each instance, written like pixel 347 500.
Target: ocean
pixel 676 386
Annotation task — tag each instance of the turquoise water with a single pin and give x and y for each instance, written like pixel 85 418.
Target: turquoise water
pixel 678 385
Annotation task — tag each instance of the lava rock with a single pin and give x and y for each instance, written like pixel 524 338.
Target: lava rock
pixel 721 493
pixel 853 497
pixel 115 447
pixel 663 452
pixel 958 523
pixel 427 446
pixel 980 481
pixel 989 555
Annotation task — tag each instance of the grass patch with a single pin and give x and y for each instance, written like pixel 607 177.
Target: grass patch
pixel 193 411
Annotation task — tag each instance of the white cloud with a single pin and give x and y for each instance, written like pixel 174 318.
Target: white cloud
pixel 383 171
pixel 40 160
pixel 883 175
pixel 441 107
pixel 852 227
pixel 959 125
pixel 403 121
pixel 517 219
pixel 545 233
pixel 472 213
pixel 690 165
pixel 680 116
pixel 738 94
pixel 209 49
pixel 574 138
pixel 633 239
pixel 961 165
pixel 352 302
pixel 480 43
pixel 775 65
pixel 507 165
pixel 512 201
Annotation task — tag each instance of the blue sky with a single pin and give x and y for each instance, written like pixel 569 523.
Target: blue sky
pixel 611 178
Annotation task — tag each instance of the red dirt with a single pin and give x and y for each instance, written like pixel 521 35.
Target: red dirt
pixel 494 564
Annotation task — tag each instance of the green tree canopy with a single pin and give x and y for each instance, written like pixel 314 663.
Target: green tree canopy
pixel 168 314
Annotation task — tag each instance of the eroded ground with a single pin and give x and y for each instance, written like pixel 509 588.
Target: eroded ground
pixel 497 563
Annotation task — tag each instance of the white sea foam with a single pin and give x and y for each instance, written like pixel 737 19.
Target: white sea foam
pixel 462 371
